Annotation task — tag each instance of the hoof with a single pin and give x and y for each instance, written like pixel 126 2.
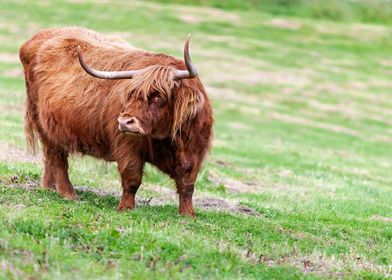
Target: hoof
pixel 70 196
pixel 121 208
pixel 49 187
pixel 126 203
pixel 190 214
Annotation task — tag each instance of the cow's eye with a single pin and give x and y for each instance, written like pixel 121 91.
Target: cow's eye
pixel 156 100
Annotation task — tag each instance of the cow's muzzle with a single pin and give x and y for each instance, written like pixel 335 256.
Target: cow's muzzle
pixel 130 125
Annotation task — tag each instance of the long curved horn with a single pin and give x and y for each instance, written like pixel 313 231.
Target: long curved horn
pixel 190 73
pixel 192 70
pixel 105 74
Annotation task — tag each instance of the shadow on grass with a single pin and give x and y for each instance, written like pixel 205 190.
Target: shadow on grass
pixel 97 201
pixel 200 203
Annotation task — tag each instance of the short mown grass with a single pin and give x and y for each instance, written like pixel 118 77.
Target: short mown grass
pixel 303 125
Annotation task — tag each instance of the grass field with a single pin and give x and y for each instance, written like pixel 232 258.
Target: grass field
pixel 298 183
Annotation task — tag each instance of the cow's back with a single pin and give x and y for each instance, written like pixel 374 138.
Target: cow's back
pixel 30 48
pixel 72 109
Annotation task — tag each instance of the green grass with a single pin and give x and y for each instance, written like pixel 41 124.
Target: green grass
pixel 379 11
pixel 303 120
pixel 92 238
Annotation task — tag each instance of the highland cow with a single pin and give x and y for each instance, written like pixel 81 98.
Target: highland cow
pixel 96 95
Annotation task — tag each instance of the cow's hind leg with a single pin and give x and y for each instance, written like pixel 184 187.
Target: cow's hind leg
pixel 56 172
pixel 48 181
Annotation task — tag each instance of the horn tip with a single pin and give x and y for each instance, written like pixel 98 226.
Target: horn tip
pixel 188 37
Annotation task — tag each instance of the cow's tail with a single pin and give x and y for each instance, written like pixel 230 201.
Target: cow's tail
pixel 30 127
pixel 26 55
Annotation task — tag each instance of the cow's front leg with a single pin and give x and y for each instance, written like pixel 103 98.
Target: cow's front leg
pixel 131 178
pixel 185 194
pixel 186 173
pixel 185 183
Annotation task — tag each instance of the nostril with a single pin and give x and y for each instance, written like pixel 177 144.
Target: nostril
pixel 130 121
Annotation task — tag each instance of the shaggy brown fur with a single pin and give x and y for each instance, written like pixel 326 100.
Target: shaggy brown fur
pixel 71 111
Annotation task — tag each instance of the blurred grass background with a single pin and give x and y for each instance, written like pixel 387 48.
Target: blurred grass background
pixel 301 92
pixel 370 11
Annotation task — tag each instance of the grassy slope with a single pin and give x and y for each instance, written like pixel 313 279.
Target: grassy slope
pixel 302 112
pixel 342 10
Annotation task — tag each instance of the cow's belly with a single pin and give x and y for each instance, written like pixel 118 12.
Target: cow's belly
pixel 75 130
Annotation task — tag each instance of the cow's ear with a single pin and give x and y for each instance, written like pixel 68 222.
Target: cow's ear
pixel 188 102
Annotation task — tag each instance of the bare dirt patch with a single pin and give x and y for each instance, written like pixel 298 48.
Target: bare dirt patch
pixel 239 126
pixel 285 23
pixel 170 197
pixel 9 58
pixel 321 264
pixel 9 153
pixel 357 31
pixel 243 108
pixel 205 14
pixel 243 73
pixel 310 123
pixel 190 18
pixel 13 73
pixel 217 204
pixel 381 219
pixel 11 108
pixel 333 266
pixel 385 62
pixel 234 97
pixel 231 184
pixel 341 108
pixel 220 143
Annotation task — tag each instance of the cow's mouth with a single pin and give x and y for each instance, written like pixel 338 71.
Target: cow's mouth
pixel 130 126
pixel 133 133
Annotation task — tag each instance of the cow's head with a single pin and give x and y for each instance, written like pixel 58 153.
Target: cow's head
pixel 158 100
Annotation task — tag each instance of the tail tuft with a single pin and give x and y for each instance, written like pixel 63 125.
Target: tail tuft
pixel 30 128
